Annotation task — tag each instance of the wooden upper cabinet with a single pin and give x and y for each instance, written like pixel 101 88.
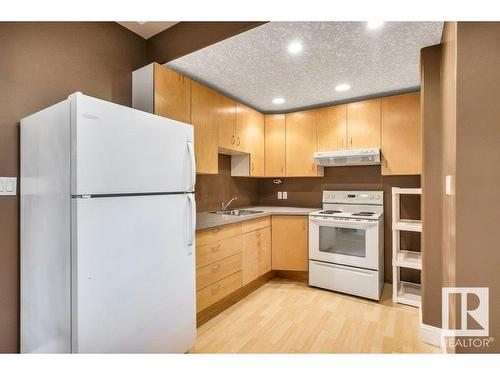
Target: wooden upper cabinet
pixel 274 145
pixel 301 144
pixel 363 124
pixel 332 128
pixel 257 147
pixel 250 137
pixel 290 241
pixel 226 111
pixel 204 117
pixel 172 94
pixel 401 135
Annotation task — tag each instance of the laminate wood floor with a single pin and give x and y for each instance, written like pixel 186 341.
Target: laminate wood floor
pixel 286 316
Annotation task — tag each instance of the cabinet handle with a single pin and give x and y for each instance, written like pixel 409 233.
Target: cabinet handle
pixel 215 267
pixel 215 248
pixel 215 288
pixel 215 230
pixel 351 141
pixel 282 169
pixel 252 166
pixel 232 139
pixel 342 142
pixel 304 225
pixel 238 141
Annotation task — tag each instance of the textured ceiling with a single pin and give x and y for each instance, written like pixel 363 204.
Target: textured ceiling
pixel 255 66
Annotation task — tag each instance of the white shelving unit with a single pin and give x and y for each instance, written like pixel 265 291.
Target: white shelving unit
pixel 402 291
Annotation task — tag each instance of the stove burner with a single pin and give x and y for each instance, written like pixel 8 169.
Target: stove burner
pixel 330 212
pixel 364 213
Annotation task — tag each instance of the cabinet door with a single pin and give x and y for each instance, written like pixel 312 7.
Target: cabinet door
pixel 256 254
pixel 204 119
pixel 250 257
pixel 363 124
pixel 226 120
pixel 256 140
pixel 290 243
pixel 243 125
pixel 172 94
pixel 401 134
pixel 301 143
pixel 265 251
pixel 274 152
pixel 332 128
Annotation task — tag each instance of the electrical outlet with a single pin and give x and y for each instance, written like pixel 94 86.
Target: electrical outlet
pixel 8 185
pixel 285 195
pixel 280 195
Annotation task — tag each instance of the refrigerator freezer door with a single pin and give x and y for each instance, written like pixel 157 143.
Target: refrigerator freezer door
pixel 133 288
pixel 116 150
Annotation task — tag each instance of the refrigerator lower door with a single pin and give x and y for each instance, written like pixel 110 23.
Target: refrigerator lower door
pixel 133 274
pixel 116 150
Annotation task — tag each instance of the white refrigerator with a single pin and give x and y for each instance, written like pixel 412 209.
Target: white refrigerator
pixel 107 230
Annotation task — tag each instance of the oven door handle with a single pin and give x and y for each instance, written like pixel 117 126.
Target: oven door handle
pixel 344 224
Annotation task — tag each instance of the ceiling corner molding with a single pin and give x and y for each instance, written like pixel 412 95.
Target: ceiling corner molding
pixel 187 37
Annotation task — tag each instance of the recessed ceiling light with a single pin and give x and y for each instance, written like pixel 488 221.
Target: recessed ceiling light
pixel 295 47
pixel 374 24
pixel 278 100
pixel 141 22
pixel 342 87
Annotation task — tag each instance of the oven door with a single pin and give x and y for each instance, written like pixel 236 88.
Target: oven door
pixel 351 243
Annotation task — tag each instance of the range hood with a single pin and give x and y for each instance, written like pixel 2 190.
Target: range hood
pixel 366 156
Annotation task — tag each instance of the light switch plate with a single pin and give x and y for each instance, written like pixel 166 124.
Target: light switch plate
pixel 8 185
pixel 448 185
pixel 285 195
pixel 280 195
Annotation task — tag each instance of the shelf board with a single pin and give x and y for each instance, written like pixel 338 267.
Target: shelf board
pixel 408 259
pixel 409 293
pixel 408 225
pixel 397 190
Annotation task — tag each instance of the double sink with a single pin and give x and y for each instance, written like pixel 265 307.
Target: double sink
pixel 236 212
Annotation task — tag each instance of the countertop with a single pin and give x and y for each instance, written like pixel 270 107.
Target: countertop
pixel 206 220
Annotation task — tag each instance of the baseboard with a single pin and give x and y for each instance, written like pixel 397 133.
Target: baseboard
pixel 302 276
pixel 431 335
pixel 211 311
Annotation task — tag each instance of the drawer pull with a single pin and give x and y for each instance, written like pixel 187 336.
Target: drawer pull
pixel 215 267
pixel 215 248
pixel 215 230
pixel 215 288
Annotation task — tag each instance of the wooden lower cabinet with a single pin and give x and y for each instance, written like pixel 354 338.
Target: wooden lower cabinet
pixel 256 254
pixel 218 290
pixel 290 243
pixel 213 272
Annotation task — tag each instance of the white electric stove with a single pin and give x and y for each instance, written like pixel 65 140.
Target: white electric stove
pixel 346 243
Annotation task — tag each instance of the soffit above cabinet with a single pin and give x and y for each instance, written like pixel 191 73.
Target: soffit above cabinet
pixel 147 29
pixel 255 67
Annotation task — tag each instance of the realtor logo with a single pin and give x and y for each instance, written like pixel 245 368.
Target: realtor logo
pixel 470 313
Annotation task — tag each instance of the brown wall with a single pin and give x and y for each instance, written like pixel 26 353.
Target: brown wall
pixel 307 192
pixel 432 185
pixel 477 222
pixel 40 65
pixel 187 37
pixel 212 189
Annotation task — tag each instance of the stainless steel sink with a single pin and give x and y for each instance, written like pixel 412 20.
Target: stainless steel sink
pixel 236 212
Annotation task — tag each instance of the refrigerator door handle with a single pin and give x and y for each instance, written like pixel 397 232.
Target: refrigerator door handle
pixel 193 166
pixel 191 228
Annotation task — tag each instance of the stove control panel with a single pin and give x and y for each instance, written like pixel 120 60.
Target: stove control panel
pixel 354 197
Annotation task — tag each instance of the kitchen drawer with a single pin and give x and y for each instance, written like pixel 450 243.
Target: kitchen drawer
pixel 350 280
pixel 255 224
pixel 206 236
pixel 214 272
pixel 216 251
pixel 218 290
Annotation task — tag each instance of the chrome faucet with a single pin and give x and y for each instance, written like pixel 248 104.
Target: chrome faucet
pixel 224 205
